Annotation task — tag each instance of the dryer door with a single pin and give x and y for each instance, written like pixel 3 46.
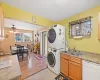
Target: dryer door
pixel 51 35
pixel 51 59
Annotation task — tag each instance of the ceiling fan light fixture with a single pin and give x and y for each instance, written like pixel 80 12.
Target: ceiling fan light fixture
pixel 13 29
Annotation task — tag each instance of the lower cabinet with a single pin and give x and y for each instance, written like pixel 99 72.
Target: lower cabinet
pixel 75 71
pixel 71 67
pixel 64 66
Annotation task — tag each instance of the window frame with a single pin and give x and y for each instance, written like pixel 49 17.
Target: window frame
pixel 83 21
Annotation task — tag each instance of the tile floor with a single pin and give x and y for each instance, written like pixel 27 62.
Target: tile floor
pixel 46 74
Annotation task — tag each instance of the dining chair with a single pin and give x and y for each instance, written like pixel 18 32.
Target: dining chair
pixel 29 48
pixel 12 52
pixel 20 51
pixel 18 45
pixel 26 51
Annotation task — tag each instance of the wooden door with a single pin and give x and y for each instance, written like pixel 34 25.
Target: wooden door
pixel 64 66
pixel 75 71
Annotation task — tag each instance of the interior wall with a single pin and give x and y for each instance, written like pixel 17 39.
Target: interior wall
pixel 22 25
pixel 9 41
pixel 18 14
pixel 91 44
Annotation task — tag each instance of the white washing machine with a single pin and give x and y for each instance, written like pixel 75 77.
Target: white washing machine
pixel 56 37
pixel 53 59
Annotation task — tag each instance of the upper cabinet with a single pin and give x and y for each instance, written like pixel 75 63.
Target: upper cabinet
pixel 1 24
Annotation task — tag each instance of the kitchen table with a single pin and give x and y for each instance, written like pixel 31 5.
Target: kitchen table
pixel 14 49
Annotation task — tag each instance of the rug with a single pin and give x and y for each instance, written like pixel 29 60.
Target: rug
pixel 39 57
pixel 61 77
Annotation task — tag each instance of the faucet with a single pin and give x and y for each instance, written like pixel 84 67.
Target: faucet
pixel 69 49
pixel 74 49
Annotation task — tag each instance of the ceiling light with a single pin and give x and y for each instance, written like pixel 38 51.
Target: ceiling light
pixel 13 29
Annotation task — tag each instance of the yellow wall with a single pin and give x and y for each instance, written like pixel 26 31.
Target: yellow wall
pixel 91 44
pixel 17 14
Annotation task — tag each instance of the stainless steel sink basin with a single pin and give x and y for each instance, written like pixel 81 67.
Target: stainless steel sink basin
pixel 72 52
pixel 76 53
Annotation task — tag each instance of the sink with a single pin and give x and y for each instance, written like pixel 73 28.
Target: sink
pixel 72 52
pixel 76 53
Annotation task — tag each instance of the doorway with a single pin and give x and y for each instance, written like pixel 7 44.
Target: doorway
pixel 43 43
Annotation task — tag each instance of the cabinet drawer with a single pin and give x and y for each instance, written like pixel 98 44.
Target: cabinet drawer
pixel 75 59
pixel 65 56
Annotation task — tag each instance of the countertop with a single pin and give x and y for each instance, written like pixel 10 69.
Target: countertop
pixel 92 57
pixel 12 71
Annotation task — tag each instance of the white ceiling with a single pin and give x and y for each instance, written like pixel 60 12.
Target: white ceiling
pixel 54 10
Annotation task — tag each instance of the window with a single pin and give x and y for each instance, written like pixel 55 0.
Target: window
pixel 80 28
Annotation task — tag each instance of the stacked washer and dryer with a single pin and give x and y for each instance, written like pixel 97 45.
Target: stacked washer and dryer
pixel 56 44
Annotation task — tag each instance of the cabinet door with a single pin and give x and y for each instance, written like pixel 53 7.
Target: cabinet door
pixel 75 71
pixel 64 66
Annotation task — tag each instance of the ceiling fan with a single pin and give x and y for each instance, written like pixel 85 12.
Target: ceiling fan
pixel 13 29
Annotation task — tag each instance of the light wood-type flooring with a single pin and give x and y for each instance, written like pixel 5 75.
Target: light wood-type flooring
pixel 31 65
